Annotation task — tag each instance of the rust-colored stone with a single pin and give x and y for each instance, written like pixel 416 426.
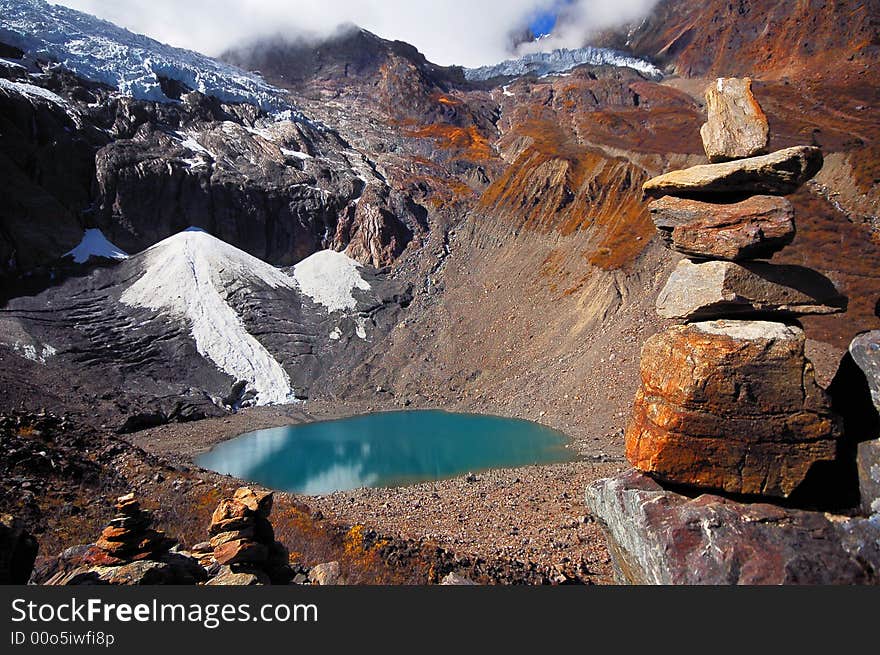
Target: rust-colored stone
pixel 732 406
pixel 259 502
pixel 754 228
pixel 241 551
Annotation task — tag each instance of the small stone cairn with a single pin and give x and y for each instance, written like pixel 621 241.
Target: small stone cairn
pixel 128 537
pixel 242 542
pixel 728 400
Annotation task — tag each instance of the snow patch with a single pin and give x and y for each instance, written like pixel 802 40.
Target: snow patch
pixel 187 276
pixel 29 351
pixel 33 91
pixel 336 334
pixel 329 278
pixel 295 153
pixel 95 244
pixel 559 61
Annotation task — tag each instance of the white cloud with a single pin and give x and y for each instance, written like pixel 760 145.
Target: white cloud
pixel 466 32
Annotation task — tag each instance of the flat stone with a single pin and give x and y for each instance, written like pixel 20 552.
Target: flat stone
pixel 325 574
pixel 259 502
pixel 737 126
pixel 731 406
pixel 241 551
pixel 223 537
pixel 656 536
pixel 868 464
pixel 754 228
pixel 778 173
pixel 865 351
pixel 230 515
pixel 719 289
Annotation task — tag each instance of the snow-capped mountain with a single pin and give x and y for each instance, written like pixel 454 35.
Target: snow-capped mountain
pixel 103 52
pixel 560 61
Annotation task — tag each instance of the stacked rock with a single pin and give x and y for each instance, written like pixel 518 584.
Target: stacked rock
pixel 128 537
pixel 728 400
pixel 243 541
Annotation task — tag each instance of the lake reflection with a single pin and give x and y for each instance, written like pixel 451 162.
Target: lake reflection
pixel 381 450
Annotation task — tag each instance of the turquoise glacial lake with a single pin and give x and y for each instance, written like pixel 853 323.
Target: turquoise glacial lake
pixel 383 450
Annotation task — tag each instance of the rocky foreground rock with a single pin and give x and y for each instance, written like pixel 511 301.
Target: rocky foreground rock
pixel 778 173
pixel 660 537
pixel 730 405
pixel 737 126
pixel 715 289
pixel 750 229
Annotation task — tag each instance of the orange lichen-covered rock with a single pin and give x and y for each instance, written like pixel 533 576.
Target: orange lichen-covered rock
pixel 732 406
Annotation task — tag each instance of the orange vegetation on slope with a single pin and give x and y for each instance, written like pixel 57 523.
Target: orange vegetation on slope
pixel 464 142
pixel 556 184
pixel 763 38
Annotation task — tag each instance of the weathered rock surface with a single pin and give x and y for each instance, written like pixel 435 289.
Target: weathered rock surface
pixel 229 578
pixel 778 173
pixel 865 351
pixel 660 537
pixel 868 463
pixel 456 579
pixel 325 574
pixel 717 289
pixel 753 228
pixel 732 406
pixel 18 551
pixel 737 126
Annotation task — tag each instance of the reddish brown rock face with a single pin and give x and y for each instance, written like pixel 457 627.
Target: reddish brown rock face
pixel 737 126
pixel 732 406
pixel 750 229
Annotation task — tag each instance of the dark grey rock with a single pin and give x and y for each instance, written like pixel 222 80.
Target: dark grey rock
pixel 661 537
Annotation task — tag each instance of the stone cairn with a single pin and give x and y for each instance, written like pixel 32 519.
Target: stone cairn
pixel 128 537
pixel 242 549
pixel 728 399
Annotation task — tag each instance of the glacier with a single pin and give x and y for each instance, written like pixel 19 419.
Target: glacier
pixel 103 52
pixel 560 61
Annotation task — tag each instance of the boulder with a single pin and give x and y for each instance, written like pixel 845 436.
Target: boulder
pixel 865 351
pixel 718 289
pixel 259 502
pixel 18 551
pixel 868 463
pixel 732 406
pixel 241 551
pixel 456 579
pixel 778 173
pixel 737 126
pixel 227 577
pixel 656 536
pixel 325 574
pixel 750 229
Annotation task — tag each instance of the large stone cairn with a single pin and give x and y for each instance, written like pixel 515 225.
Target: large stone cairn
pixel 728 399
pixel 243 542
pixel 128 537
